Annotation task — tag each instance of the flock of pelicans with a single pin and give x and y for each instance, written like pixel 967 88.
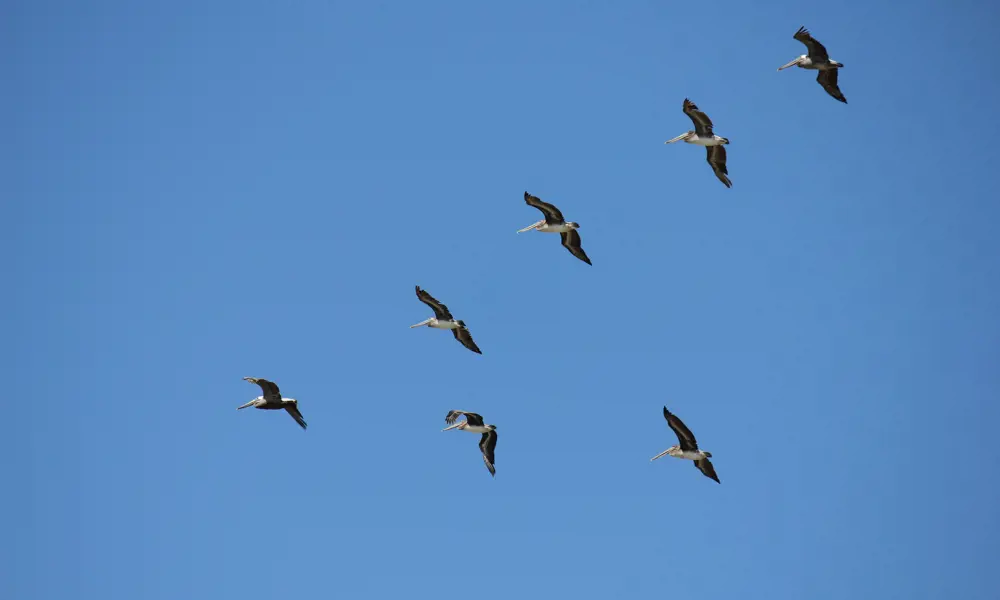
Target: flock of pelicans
pixel 687 448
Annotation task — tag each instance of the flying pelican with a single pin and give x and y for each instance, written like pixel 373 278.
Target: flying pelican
pixel 473 423
pixel 554 223
pixel 442 319
pixel 272 400
pixel 704 136
pixel 688 447
pixel 818 59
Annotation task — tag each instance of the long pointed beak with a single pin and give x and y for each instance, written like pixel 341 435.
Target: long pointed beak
pixel 676 139
pixel 451 427
pixel 247 404
pixel 422 323
pixel 530 227
pixel 791 64
pixel 659 455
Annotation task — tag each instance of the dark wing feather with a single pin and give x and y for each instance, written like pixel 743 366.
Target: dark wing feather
pixel 717 160
pixel 817 52
pixel 472 418
pixel 571 239
pixel 294 411
pixel 440 310
pixel 702 124
pixel 462 334
pixel 553 216
pixel 828 79
pixel 487 444
pixel 705 466
pixel 684 435
pixel 269 389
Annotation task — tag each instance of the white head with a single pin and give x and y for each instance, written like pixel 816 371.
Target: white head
pixel 682 136
pixel 671 451
pixel 254 402
pixel 422 323
pixel 532 226
pixel 793 63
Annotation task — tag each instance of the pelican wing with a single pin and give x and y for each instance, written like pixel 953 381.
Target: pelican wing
pixel 293 409
pixel 462 335
pixel 705 466
pixel 684 435
pixel 440 310
pixel 269 388
pixel 553 216
pixel 472 418
pixel 487 444
pixel 717 160
pixel 828 79
pixel 817 52
pixel 702 124
pixel 571 239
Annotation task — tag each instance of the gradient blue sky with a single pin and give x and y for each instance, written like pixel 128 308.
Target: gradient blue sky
pixel 200 191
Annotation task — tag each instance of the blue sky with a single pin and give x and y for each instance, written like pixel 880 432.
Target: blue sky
pixel 197 192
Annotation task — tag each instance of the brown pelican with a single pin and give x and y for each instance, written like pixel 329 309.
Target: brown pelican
pixel 688 447
pixel 704 136
pixel 442 319
pixel 818 59
pixel 473 423
pixel 554 223
pixel 272 400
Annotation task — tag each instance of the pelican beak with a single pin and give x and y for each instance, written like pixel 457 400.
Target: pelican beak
pixel 659 455
pixel 676 139
pixel 422 323
pixel 451 427
pixel 791 64
pixel 530 227
pixel 247 404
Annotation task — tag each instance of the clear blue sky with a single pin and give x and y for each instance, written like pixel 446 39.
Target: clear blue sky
pixel 195 192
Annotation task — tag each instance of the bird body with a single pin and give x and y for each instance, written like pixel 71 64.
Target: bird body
pixel 442 319
pixel 555 223
pixel 688 447
pixel 818 60
pixel 704 135
pixel 473 423
pixel 272 400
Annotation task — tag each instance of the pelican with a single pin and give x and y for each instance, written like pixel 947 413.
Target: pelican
pixel 688 447
pixel 554 223
pixel 818 59
pixel 473 423
pixel 272 400
pixel 704 136
pixel 442 319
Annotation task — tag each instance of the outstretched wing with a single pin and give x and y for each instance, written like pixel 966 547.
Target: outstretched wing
pixel 817 52
pixel 684 435
pixel 487 444
pixel 828 79
pixel 717 160
pixel 553 216
pixel 705 466
pixel 462 334
pixel 571 239
pixel 440 310
pixel 472 418
pixel 702 124
pixel 293 410
pixel 269 389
